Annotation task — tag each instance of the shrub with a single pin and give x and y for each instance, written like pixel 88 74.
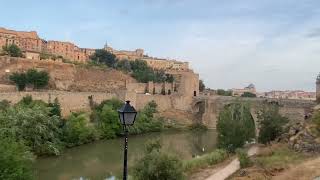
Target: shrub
pixel 16 160
pixel 235 126
pixel 34 126
pixel 38 79
pixel 248 94
pixel 271 123
pixel 205 160
pixel 316 120
pixel 4 105
pixel 104 57
pixel 108 122
pixel 222 92
pixel 77 130
pixel 243 158
pixel 55 108
pixel 158 165
pixel 12 50
pixel 20 79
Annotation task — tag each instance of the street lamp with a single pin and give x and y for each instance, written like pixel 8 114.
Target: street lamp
pixel 127 115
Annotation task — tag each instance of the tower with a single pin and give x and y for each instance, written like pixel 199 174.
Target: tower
pixel 318 88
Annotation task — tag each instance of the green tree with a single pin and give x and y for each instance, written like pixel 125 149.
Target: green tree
pixel 20 79
pixel 77 130
pixel 39 79
pixel 222 92
pixel 235 126
pixel 12 50
pixel 16 160
pixel 202 86
pixel 158 165
pixel 34 126
pixel 108 122
pixel 248 94
pixel 55 108
pixel 104 57
pixel 271 123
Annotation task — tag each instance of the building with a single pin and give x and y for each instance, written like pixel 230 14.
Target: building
pixel 297 94
pixel 32 46
pixel 238 92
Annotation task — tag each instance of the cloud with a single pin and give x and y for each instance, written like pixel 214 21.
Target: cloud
pixel 314 33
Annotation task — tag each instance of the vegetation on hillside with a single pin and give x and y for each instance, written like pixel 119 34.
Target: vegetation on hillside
pixel 235 126
pixel 222 92
pixel 271 123
pixel 38 79
pixel 12 50
pixel 138 69
pixel 248 94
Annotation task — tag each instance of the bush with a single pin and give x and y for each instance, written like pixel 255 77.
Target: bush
pixel 222 92
pixel 243 158
pixel 316 120
pixel 20 79
pixel 248 94
pixel 158 165
pixel 55 108
pixel 235 126
pixel 145 121
pixel 16 160
pixel 12 50
pixel 104 57
pixel 77 130
pixel 38 79
pixel 34 126
pixel 205 160
pixel 271 123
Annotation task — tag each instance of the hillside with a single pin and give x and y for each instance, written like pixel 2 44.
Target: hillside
pixel 67 77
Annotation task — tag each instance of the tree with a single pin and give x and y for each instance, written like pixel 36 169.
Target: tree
pixel 222 92
pixel 158 165
pixel 16 160
pixel 20 79
pixel 105 57
pixel 248 94
pixel 235 126
pixel 271 123
pixel 39 79
pixel 34 126
pixel 55 108
pixel 202 87
pixel 77 130
pixel 12 50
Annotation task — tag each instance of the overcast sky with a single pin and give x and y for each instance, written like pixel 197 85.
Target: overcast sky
pixel 274 44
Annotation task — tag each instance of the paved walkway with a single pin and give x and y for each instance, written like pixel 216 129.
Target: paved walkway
pixel 231 168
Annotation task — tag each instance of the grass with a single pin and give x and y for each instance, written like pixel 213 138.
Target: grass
pixel 280 157
pixel 206 160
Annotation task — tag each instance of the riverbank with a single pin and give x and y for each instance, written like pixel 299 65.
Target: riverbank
pixel 104 158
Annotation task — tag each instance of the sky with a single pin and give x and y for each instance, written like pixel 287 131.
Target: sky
pixel 274 44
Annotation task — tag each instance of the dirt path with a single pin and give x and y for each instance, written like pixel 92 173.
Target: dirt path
pixel 231 168
pixel 307 170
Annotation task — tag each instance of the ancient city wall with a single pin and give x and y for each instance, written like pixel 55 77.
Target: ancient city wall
pixel 70 101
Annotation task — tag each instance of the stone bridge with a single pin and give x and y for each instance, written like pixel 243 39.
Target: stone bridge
pixel 207 108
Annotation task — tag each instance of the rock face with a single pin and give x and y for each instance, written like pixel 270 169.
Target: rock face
pixel 302 138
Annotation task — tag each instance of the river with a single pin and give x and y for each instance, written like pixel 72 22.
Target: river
pixel 104 159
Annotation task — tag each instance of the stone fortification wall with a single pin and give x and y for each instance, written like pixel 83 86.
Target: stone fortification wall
pixel 70 101
pixel 67 77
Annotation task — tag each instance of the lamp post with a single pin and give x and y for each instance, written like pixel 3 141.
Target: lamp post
pixel 127 116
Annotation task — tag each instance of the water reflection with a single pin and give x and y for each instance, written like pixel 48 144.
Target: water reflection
pixel 103 159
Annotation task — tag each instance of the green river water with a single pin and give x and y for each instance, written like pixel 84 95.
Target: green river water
pixel 104 159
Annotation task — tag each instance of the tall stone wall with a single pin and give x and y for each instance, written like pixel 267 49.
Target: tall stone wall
pixel 70 101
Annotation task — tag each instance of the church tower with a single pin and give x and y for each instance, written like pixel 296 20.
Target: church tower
pixel 318 88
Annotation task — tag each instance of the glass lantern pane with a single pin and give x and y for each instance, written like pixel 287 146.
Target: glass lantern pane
pixel 129 118
pixel 121 118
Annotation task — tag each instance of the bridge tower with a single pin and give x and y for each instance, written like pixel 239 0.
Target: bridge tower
pixel 318 88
